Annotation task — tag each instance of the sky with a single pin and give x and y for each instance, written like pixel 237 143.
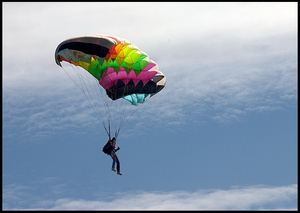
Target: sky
pixel 221 135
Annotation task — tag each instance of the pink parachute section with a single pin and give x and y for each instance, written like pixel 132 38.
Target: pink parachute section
pixel 110 78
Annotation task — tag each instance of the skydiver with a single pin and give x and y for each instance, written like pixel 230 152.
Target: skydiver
pixel 114 155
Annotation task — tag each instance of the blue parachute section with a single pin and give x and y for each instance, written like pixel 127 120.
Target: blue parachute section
pixel 136 99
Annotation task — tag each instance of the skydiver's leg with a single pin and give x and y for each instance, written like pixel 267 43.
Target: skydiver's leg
pixel 113 156
pixel 113 165
pixel 118 163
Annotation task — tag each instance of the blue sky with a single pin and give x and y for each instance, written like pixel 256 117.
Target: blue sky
pixel 221 135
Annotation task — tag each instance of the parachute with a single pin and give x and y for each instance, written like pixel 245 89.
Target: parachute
pixel 108 63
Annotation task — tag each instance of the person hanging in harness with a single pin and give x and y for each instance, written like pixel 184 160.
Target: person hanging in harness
pixel 110 149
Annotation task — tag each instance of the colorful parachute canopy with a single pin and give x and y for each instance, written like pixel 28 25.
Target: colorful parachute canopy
pixel 122 69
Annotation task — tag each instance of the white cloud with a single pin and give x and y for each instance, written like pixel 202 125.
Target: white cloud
pixel 237 198
pixel 221 60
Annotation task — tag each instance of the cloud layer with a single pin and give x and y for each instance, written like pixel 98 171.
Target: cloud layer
pixel 236 58
pixel 237 198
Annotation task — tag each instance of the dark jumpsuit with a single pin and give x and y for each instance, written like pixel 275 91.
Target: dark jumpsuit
pixel 114 156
